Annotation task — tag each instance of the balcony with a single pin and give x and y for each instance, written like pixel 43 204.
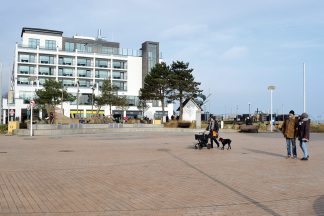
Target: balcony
pixel 25 72
pixel 67 74
pixel 46 73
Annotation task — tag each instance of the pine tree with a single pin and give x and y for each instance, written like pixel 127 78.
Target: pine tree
pixel 183 85
pixel 51 94
pixel 156 85
pixel 108 96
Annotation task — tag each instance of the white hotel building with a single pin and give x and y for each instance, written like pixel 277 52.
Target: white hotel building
pixel 46 54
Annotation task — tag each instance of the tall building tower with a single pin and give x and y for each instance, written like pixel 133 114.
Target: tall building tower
pixel 150 57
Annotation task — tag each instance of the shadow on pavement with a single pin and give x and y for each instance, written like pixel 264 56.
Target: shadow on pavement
pixel 265 152
pixel 319 205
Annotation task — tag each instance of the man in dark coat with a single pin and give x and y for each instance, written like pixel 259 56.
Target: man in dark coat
pixel 303 134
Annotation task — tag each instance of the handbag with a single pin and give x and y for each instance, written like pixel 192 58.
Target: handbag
pixel 215 134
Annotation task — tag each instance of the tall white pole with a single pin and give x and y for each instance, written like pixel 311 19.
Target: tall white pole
pixel 249 109
pixel 31 119
pixel 271 111
pixel 1 94
pixel 78 84
pixel 304 87
pixel 271 88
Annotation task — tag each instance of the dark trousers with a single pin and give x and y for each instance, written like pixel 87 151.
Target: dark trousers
pixel 212 138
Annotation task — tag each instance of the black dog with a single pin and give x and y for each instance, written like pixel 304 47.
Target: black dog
pixel 224 142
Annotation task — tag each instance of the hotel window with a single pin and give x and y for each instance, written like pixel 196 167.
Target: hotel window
pixel 122 86
pixel 26 58
pixel 102 63
pixel 132 100
pixel 102 74
pixel 65 72
pixel 50 44
pixel 152 56
pixel 84 83
pixel 33 43
pixel 119 64
pixel 67 82
pixel 89 49
pixel 84 73
pixel 45 71
pixel 45 59
pixel 25 69
pixel 81 47
pixel 84 62
pixel 69 46
pixel 66 61
pixel 115 51
pixel 119 75
pixel 107 50
pixel 22 81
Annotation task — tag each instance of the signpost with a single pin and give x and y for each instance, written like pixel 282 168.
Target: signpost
pixel 32 104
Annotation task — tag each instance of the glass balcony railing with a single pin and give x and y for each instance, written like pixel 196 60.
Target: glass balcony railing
pixel 116 51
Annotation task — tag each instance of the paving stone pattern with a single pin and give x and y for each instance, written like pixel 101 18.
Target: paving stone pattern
pixel 158 173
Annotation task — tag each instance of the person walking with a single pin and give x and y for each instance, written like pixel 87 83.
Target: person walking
pixel 213 131
pixel 303 134
pixel 51 118
pixel 289 130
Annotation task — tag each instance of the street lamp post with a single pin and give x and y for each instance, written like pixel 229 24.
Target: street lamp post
pixel 1 121
pixel 92 97
pixel 304 73
pixel 77 99
pixel 271 88
pixel 62 99
pixel 249 109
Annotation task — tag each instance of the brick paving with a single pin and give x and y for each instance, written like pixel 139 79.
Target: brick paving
pixel 157 173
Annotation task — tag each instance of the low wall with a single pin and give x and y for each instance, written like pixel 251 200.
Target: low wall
pixel 93 126
pixel 72 131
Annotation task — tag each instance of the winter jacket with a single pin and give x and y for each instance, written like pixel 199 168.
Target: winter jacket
pixel 303 129
pixel 289 127
pixel 212 125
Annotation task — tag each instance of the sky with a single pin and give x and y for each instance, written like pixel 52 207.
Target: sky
pixel 237 48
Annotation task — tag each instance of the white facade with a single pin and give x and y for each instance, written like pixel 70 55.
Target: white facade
pixel 190 110
pixel 43 55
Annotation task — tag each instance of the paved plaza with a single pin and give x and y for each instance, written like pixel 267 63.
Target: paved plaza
pixel 157 173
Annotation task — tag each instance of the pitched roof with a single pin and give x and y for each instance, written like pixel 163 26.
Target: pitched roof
pixel 187 100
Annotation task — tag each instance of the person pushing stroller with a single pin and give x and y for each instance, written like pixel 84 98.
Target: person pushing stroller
pixel 213 129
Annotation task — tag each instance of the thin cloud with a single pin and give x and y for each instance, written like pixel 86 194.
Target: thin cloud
pixel 185 30
pixel 302 45
pixel 234 53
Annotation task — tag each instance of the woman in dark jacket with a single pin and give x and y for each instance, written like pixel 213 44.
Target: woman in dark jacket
pixel 303 134
pixel 213 131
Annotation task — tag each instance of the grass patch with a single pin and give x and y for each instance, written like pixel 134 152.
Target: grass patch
pixel 3 129
pixel 317 128
pixel 171 124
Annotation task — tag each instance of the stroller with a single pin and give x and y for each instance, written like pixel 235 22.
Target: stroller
pixel 202 139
